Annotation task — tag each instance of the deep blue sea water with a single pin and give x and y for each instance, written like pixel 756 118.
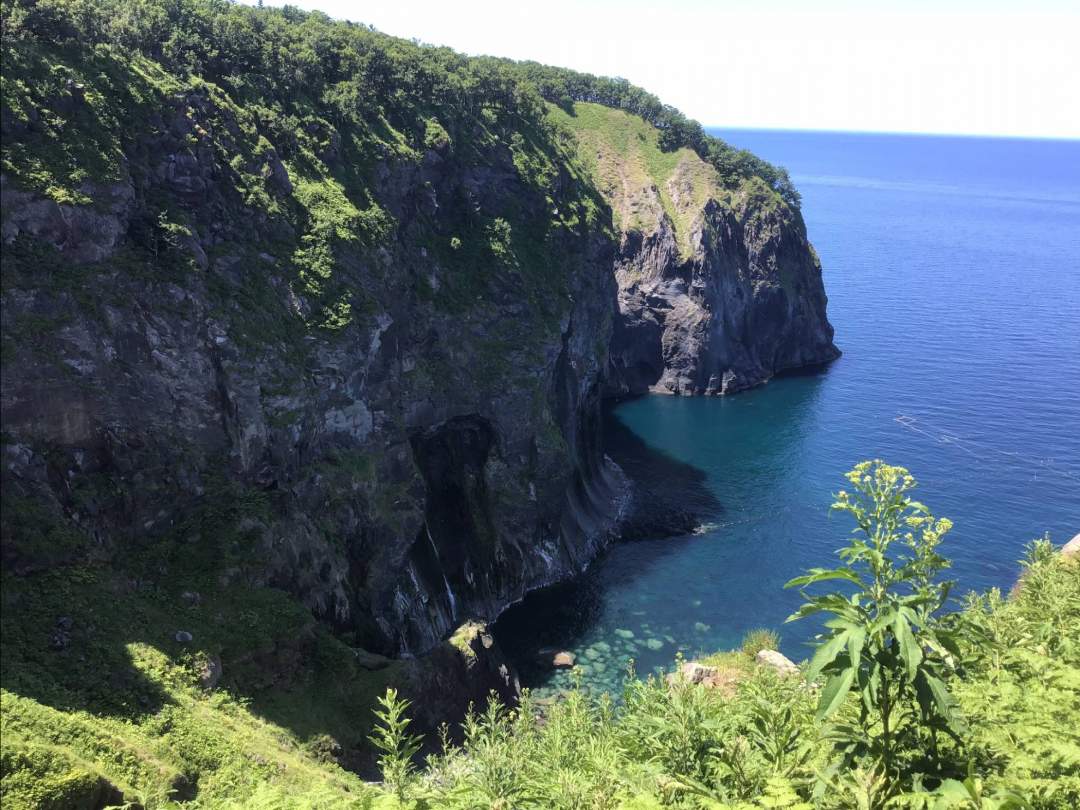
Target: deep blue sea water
pixel 952 267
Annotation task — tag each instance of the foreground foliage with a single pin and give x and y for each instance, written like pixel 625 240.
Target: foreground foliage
pixel 886 641
pixel 902 705
pixel 998 729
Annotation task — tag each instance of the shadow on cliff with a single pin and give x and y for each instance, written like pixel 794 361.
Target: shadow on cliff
pixel 107 656
pixel 812 370
pixel 671 498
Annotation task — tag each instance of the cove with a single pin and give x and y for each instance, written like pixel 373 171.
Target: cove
pixel 953 272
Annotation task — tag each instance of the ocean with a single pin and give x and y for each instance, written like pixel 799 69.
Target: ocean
pixel 952 267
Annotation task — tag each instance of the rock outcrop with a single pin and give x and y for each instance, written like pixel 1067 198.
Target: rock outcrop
pixel 719 288
pixel 777 661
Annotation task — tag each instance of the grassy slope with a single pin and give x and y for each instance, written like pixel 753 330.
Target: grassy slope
pixel 623 154
pixel 112 695
pixel 68 722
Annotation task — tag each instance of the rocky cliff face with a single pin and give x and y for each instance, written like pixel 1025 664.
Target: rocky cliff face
pixel 719 288
pixel 222 365
pixel 745 304
pixel 361 366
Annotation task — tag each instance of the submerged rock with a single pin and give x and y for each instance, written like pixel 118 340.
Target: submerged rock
pixel 563 659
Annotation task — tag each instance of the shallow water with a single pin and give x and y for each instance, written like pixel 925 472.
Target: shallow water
pixel 953 272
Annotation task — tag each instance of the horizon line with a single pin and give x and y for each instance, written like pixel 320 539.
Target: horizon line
pixel 911 133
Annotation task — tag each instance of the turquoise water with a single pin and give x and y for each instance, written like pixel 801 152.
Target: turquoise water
pixel 953 272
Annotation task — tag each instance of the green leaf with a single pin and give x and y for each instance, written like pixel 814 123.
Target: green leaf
pixel 826 653
pixel 910 651
pixel 809 609
pixel 823 574
pixel 951 793
pixel 856 639
pixel 947 639
pixel 833 603
pixel 832 696
pixel 943 702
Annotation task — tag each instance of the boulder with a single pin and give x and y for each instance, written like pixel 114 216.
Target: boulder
pixel 211 672
pixel 1072 548
pixel 724 679
pixel 778 661
pixel 370 661
pixel 693 672
pixel 563 659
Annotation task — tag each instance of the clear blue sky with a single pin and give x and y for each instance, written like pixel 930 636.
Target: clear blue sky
pixel 958 66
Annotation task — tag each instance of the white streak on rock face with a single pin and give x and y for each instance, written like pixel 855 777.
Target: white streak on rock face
pixel 546 552
pixel 446 582
pixel 382 323
pixel 354 420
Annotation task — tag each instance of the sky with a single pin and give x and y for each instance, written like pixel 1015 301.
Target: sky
pixel 984 67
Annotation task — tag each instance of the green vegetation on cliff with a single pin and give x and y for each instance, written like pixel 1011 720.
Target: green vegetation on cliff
pixel 296 111
pixel 625 156
pixel 564 87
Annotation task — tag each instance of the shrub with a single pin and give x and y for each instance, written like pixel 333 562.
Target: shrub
pixel 885 641
pixel 399 748
pixel 760 639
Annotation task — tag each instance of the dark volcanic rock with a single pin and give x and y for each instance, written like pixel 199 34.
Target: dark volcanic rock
pixel 374 383
pixel 408 441
pixel 718 291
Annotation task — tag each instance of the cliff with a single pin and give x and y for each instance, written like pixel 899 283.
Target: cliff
pixel 719 288
pixel 362 368
pixel 303 320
